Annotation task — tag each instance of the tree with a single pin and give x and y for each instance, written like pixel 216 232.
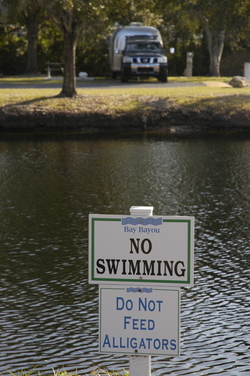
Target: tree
pixel 180 29
pixel 132 11
pixel 27 12
pixel 32 11
pixel 219 18
pixel 72 17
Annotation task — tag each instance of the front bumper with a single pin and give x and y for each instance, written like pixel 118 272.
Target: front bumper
pixel 144 69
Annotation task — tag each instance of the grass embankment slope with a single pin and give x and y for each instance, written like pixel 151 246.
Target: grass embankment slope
pixel 207 104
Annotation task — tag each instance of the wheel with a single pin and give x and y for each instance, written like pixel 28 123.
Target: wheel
pixel 163 76
pixel 124 76
pixel 164 79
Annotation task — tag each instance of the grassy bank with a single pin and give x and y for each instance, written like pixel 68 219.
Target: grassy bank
pixel 212 101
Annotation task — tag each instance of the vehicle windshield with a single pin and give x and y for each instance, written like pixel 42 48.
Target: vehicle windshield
pixel 144 46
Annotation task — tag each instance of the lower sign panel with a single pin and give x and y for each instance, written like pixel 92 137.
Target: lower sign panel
pixel 139 321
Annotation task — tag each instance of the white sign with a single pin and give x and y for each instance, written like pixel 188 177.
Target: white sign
pixel 141 249
pixel 139 321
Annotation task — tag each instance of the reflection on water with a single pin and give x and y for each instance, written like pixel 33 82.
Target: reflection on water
pixel 49 185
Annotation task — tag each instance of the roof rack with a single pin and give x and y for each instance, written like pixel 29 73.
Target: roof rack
pixel 136 24
pixel 152 37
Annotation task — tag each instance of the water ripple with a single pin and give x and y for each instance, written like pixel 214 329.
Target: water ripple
pixel 48 311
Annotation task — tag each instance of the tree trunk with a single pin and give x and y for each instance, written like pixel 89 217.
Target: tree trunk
pixel 69 79
pixel 32 31
pixel 215 48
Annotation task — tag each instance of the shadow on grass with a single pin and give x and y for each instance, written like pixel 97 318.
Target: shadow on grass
pixel 128 112
pixel 43 101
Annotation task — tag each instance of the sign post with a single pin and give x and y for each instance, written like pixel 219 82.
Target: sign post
pixel 140 262
pixel 140 365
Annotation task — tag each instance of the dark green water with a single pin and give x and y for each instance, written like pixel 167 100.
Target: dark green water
pixel 49 185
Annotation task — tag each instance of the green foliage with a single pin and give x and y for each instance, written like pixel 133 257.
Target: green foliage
pixel 12 50
pixel 97 372
pixel 94 48
pixel 50 45
pixel 209 21
pixel 101 372
pixel 179 22
pixel 144 11
pixel 181 30
pixel 73 13
pixel 23 373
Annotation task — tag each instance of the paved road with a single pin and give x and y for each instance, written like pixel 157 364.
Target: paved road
pixel 98 84
pixel 107 84
pixel 133 84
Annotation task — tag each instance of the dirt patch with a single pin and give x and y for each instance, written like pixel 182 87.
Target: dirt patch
pixel 215 84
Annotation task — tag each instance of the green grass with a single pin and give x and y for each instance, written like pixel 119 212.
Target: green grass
pixel 127 98
pixel 97 372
